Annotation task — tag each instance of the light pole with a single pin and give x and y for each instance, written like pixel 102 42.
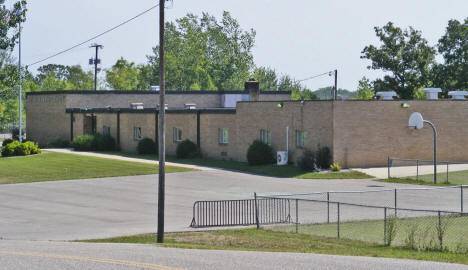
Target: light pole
pixel 20 87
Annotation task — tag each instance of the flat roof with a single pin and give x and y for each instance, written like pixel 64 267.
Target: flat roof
pixel 147 92
pixel 151 110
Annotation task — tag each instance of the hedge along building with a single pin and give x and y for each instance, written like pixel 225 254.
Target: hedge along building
pixel 224 124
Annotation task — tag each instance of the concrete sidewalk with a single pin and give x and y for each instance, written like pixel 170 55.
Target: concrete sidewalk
pixel 92 154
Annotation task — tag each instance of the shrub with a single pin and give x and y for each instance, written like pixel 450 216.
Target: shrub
pixel 83 143
pixel 308 161
pixel 260 153
pixel 15 133
pixel 57 142
pixel 9 150
pixel 186 149
pixel 103 142
pixel 335 167
pixel 391 229
pixel 147 146
pixel 7 141
pixel 324 158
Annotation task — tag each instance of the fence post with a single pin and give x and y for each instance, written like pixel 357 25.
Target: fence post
pixel 440 231
pixel 446 181
pixel 461 198
pixel 297 215
pixel 388 167
pixel 385 227
pixel 338 218
pixel 256 211
pixel 417 169
pixel 396 200
pixel 328 207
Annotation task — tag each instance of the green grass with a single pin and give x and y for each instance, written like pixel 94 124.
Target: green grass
pixel 58 166
pixel 274 241
pixel 414 182
pixel 287 171
pixel 372 231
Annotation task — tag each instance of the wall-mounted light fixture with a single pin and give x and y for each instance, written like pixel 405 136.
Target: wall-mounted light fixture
pixel 405 105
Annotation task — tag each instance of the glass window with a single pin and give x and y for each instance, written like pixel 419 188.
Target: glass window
pixel 137 133
pixel 265 136
pixel 177 135
pixel 223 136
pixel 301 138
pixel 106 130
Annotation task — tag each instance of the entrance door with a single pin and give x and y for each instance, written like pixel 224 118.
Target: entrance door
pixel 89 124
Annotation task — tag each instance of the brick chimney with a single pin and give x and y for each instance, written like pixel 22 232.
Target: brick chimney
pixel 253 87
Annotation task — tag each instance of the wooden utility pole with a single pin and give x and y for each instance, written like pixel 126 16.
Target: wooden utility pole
pixel 95 62
pixel 336 85
pixel 162 138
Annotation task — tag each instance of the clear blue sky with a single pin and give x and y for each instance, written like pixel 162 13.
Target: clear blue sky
pixel 301 38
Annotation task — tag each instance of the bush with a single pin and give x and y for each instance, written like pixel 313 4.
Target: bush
pixel 83 143
pixel 335 167
pixel 103 142
pixel 186 149
pixel 7 141
pixel 9 150
pixel 16 148
pixel 308 161
pixel 58 142
pixel 260 153
pixel 324 158
pixel 147 146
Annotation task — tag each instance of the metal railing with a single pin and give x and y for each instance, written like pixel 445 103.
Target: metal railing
pixel 240 212
pixel 443 175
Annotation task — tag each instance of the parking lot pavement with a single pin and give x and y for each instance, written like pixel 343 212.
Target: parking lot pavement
pixel 106 207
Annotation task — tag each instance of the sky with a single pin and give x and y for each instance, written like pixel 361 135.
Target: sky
pixel 300 38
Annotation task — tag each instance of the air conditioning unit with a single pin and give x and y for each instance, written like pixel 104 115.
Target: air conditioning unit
pixel 282 158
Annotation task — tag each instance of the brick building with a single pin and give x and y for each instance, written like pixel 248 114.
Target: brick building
pixel 224 124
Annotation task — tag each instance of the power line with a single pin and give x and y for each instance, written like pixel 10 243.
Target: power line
pixel 316 76
pixel 96 36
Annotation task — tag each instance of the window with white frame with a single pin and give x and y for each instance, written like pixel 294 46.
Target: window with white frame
pixel 137 133
pixel 105 130
pixel 223 136
pixel 177 135
pixel 265 136
pixel 301 138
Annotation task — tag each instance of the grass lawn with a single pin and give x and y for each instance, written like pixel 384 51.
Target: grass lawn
pixel 287 171
pixel 372 231
pixel 50 166
pixel 266 240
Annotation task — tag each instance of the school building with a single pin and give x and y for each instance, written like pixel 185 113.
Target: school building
pixel 224 123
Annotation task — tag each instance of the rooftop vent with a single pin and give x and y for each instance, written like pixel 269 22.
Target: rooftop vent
pixel 155 88
pixel 165 107
pixel 386 95
pixel 136 106
pixel 458 95
pixel 190 106
pixel 432 93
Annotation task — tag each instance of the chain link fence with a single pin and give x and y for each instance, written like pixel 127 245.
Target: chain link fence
pixel 423 170
pixel 338 214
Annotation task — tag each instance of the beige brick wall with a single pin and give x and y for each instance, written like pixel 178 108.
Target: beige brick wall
pixel 185 121
pixel 313 117
pixel 108 120
pixel 276 97
pixel 367 132
pixel 146 121
pixel 209 137
pixel 46 118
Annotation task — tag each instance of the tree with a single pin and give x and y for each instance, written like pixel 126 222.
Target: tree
pixel 11 18
pixel 204 53
pixel 365 90
pixel 298 92
pixel 453 46
pixel 267 78
pixel 123 75
pixel 406 55
pixel 53 77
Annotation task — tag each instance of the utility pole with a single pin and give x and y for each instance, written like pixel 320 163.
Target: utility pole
pixel 335 95
pixel 95 62
pixel 162 138
pixel 20 88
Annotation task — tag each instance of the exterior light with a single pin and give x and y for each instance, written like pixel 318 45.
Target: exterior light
pixel 280 105
pixel 405 105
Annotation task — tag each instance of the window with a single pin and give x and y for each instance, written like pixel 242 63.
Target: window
pixel 177 134
pixel 223 136
pixel 265 136
pixel 301 138
pixel 105 130
pixel 137 133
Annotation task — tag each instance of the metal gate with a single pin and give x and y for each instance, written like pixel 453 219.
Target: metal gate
pixel 240 212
